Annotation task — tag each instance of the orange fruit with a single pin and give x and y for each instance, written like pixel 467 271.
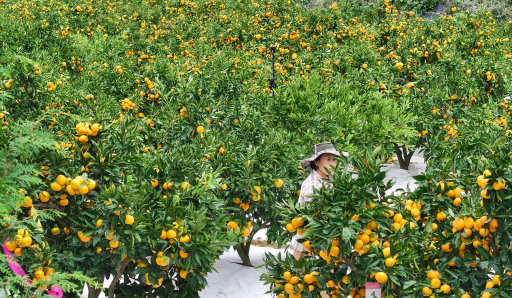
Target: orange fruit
pixel 484 194
pixel 183 273
pixel 435 283
pixel 44 196
pixel 390 262
pixel 27 202
pixel 17 251
pixel 27 241
pixel 427 291
pixel 287 275
pixel 309 279
pixel 432 274
pixel 381 277
pixel 290 227
pixel 499 184
pixel 183 254
pixel 113 243
pixel 171 234
pixel 163 235
pixel 458 224
pixel 129 219
pixel 11 246
pixel 297 222
pixel 39 273
pixel 288 288
pixel 185 239
pixel 294 280
pixel 233 225
pixel 468 222
pixel 445 289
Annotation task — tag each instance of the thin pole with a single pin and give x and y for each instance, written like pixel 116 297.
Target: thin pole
pixel 273 79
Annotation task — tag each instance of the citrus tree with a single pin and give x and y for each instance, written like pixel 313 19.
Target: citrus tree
pixel 21 231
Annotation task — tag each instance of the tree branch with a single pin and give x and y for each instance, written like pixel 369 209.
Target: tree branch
pixel 119 273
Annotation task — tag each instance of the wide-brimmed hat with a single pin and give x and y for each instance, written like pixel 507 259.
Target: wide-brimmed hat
pixel 318 150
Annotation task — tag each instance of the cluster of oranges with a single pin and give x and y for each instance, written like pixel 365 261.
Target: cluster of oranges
pixel 293 286
pixel 127 104
pixel 75 186
pixel 234 226
pixel 21 240
pixel 84 130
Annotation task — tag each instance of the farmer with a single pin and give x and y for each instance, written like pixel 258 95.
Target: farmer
pixel 322 156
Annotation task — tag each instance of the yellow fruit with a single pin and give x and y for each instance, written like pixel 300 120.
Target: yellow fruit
pixel 233 225
pixel 445 289
pixel 287 275
pixel 496 280
pixel 113 243
pixel 435 283
pixel 64 202
pixel 499 184
pixel 381 277
pixel 415 212
pixel 83 139
pixel 246 232
pixel 386 252
pixel 11 246
pixel 27 202
pixel 183 254
pixel 39 273
pixel 432 274
pixel 91 185
pixel 278 183
pixel 183 273
pixel 294 280
pixel 390 262
pixel 129 219
pixel 484 194
pixel 427 291
pixel 44 196
pixel 288 288
pixel 55 231
pixel 290 227
pixel 345 279
pixel 487 173
pixel 458 224
pixel 236 200
pixel 26 242
pixel 17 251
pixel 489 285
pixel 468 222
pixel 297 222
pixel 171 234
pixel 185 185
pixel 456 192
pixel 185 239
pixel 398 217
pixel 309 279
pixel 155 183
pixel 61 179
pixel 457 202
pixel 84 190
pixel 75 184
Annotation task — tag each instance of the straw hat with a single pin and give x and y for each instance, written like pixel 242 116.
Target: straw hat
pixel 318 150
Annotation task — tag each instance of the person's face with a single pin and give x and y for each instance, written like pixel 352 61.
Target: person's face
pixel 326 160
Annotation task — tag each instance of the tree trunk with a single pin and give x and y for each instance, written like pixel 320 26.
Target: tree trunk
pixel 119 273
pixel 95 293
pixel 404 157
pixel 243 252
